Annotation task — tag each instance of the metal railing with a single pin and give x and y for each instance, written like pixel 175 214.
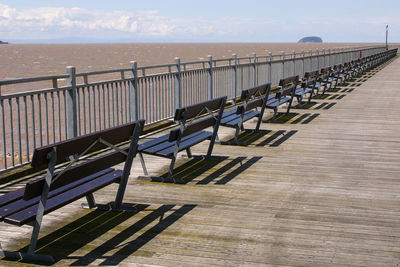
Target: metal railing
pixel 74 105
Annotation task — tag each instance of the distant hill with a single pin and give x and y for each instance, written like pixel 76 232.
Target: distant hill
pixel 310 39
pixel 1 42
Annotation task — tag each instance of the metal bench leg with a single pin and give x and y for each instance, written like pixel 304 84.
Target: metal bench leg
pixel 275 113
pixel 259 121
pixel 25 256
pixel 309 98
pixel 30 255
pixel 169 178
pixel 143 164
pixel 237 130
pixel 90 201
pixel 189 152
pixel 300 100
pixel 289 106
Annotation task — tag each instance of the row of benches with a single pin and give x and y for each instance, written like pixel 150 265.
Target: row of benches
pixel 88 161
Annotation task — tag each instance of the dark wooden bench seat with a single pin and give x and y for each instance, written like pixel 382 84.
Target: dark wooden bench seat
pixel 191 131
pixel 67 196
pixel 8 208
pixel 288 87
pixel 87 166
pixel 164 148
pixel 254 102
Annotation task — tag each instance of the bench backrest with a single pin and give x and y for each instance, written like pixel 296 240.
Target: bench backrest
pixel 192 112
pixel 254 92
pixel 75 146
pixel 310 78
pixel 254 97
pixel 69 149
pixel 324 74
pixel 288 85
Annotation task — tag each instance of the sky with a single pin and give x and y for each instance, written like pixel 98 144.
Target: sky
pixel 27 21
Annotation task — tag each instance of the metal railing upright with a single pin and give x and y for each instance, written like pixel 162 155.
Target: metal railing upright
pixel 81 106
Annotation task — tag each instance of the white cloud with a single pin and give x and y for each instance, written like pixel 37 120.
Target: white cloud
pixel 61 23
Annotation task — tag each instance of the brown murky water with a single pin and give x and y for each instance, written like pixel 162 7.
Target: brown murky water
pixel 32 60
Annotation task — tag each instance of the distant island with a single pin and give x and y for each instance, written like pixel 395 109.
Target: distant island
pixel 1 42
pixel 310 39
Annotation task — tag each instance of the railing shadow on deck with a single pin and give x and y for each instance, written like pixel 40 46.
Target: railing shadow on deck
pixel 81 232
pixel 221 169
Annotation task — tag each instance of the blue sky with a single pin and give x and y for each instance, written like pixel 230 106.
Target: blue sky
pixel 197 21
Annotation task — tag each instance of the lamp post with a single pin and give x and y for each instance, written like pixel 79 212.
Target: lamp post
pixel 387 28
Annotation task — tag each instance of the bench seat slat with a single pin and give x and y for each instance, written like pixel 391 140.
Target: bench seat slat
pixel 24 216
pixel 229 118
pixel 247 116
pixel 228 113
pixel 162 143
pixel 302 91
pixel 11 196
pixel 185 143
pixel 276 102
pixel 21 204
pixel 160 146
pixel 318 84
pixel 153 142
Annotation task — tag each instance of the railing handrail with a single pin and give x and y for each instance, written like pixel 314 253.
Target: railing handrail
pixel 311 53
pixel 76 105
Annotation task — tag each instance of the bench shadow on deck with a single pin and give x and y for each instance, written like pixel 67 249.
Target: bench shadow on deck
pixel 79 233
pixel 134 233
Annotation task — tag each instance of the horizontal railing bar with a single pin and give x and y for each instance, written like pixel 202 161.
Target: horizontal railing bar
pixel 333 51
pixel 35 92
pixel 33 79
pixel 81 74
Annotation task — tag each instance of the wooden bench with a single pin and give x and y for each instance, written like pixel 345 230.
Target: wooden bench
pixel 288 87
pixel 335 76
pixel 308 86
pixel 87 167
pixel 323 80
pixel 190 132
pixel 254 103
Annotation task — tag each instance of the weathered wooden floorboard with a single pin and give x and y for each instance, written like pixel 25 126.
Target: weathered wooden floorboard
pixel 319 187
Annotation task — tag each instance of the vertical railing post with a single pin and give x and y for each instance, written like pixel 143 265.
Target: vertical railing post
pixel 177 84
pixel 255 78
pixel 303 55
pixel 294 62
pixel 235 78
pixel 210 78
pixel 317 60
pixel 270 67
pixel 134 93
pixel 311 60
pixel 329 58
pixel 71 108
pixel 283 64
pixel 342 55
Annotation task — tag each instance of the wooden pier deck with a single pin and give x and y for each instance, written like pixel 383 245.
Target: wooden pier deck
pixel 318 188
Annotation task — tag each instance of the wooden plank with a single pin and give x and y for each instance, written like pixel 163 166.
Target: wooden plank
pixel 60 200
pixel 327 196
pixel 77 145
